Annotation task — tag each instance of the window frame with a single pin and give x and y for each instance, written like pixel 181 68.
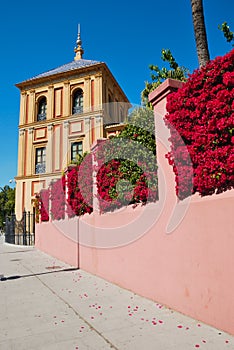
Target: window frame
pixel 42 163
pixel 77 108
pixel 75 142
pixel 42 105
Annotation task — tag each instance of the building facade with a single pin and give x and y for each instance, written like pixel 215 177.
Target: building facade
pixel 62 112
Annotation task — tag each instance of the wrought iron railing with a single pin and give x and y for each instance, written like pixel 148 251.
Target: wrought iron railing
pixel 21 232
pixel 77 110
pixel 41 116
pixel 40 168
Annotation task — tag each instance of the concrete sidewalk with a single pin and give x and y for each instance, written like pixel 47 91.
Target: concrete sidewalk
pixel 46 304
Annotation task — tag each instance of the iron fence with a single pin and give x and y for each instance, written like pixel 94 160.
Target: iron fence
pixel 22 231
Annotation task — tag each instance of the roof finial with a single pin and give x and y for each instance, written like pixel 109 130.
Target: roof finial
pixel 78 50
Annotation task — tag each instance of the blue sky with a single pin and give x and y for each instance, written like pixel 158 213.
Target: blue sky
pixel 127 35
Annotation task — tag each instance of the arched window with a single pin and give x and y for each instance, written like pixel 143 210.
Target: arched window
pixel 42 107
pixel 77 102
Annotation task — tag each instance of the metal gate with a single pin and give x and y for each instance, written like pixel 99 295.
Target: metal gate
pixel 22 231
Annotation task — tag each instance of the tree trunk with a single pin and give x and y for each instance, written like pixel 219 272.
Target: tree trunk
pixel 200 32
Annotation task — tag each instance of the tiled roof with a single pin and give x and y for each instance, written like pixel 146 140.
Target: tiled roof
pixel 66 68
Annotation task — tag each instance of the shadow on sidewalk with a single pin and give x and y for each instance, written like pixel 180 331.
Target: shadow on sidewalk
pixel 3 278
pixel 17 251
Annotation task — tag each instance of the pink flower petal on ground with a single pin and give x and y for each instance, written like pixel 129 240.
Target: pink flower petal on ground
pixel 180 326
pixel 197 346
pixel 199 325
pixel 204 341
pixel 160 321
pixel 227 341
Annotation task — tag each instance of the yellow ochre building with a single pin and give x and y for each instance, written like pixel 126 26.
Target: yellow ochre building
pixel 62 112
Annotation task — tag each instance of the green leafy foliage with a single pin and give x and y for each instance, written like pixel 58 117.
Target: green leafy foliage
pixel 79 158
pixel 228 34
pixel 127 164
pixel 158 75
pixel 7 203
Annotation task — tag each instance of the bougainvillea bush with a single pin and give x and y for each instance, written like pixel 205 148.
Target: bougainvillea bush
pixel 202 112
pixel 79 182
pixel 126 165
pixel 44 197
pixel 57 197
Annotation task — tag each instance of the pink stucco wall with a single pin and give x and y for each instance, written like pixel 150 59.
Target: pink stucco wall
pixel 177 253
pixel 50 239
pixel 190 270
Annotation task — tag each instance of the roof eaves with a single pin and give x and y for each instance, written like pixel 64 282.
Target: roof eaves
pixel 43 78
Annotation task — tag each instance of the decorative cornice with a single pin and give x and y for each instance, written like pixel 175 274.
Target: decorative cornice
pixel 98 75
pixel 76 137
pixel 38 176
pixel 58 120
pixel 80 72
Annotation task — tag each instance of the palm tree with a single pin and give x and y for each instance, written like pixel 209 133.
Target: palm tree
pixel 200 32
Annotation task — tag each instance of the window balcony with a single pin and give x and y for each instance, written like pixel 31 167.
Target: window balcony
pixel 40 168
pixel 41 116
pixel 77 110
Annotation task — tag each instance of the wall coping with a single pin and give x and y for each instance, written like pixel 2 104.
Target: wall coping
pixel 164 89
pixel 97 143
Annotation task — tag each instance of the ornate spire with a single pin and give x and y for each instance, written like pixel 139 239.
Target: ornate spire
pixel 78 50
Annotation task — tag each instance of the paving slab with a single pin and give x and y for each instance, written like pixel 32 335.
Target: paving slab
pixel 47 304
